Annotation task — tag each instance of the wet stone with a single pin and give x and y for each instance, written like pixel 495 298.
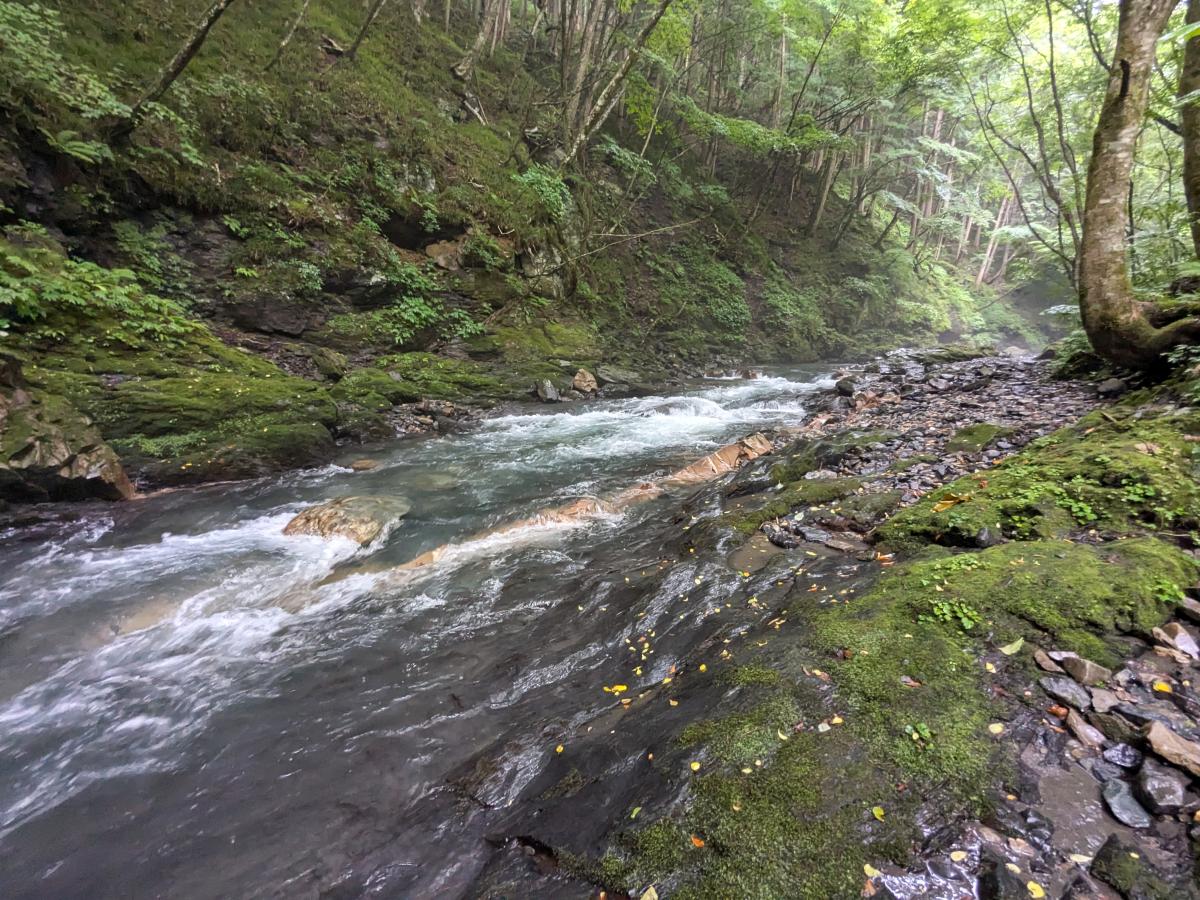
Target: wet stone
pixel 1106 771
pixel 1067 691
pixel 1161 789
pixel 1103 700
pixel 1085 733
pixel 1085 671
pixel 1042 658
pixel 1123 755
pixel 1118 795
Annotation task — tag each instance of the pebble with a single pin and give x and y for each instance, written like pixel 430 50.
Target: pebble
pixel 1118 795
pixel 1067 691
pixel 1085 671
pixel 1123 755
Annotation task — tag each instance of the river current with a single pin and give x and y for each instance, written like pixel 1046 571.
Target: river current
pixel 190 706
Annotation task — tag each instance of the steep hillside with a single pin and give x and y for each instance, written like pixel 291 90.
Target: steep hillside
pixel 285 252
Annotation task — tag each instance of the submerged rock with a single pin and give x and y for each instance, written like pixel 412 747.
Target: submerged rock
pixel 1067 691
pixel 361 519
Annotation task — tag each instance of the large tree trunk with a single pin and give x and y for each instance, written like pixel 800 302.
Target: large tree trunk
pixel 175 67
pixel 1189 83
pixel 1118 326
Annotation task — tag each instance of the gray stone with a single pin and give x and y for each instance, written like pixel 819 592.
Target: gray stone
pixel 1106 771
pixel 1175 635
pixel 1111 387
pixel 1162 790
pixel 1042 658
pixel 547 392
pixel 845 387
pixel 1124 806
pixel 1067 691
pixel 1087 735
pixel 1123 755
pixel 1103 700
pixel 1085 671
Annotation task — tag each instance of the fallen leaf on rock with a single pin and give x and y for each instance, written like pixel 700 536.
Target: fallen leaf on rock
pixel 558 749
pixel 673 702
pixel 1036 891
pixel 746 770
pixel 877 812
pixel 996 728
pixel 697 842
pixel 1162 687
pixel 1058 711
pixel 695 766
pixel 950 500
pixel 870 871
pixel 1080 858
pixel 649 894
pixel 958 855
pixel 1014 647
pixel 634 814
pixel 989 667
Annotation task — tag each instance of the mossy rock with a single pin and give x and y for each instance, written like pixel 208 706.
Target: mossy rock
pixel 974 438
pixel 801 493
pixel 807 455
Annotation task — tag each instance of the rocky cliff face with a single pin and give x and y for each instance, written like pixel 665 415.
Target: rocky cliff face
pixel 49 450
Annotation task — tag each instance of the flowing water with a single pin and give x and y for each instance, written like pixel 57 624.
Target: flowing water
pixel 191 707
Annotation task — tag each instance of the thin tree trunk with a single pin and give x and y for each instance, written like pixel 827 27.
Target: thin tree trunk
pixel 287 38
pixel 833 168
pixel 1189 83
pixel 990 253
pixel 175 67
pixel 608 97
pixel 1118 325
pixel 372 14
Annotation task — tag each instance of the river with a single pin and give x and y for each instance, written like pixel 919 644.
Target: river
pixel 187 710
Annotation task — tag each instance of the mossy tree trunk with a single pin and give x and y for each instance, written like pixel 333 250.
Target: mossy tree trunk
pixel 1121 328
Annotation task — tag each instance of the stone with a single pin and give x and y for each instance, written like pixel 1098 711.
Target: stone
pixel 585 382
pixel 1067 691
pixel 363 465
pixel 1124 867
pixel 361 519
pixel 1106 771
pixel 1103 700
pixel 616 375
pixel 1123 755
pixel 1174 749
pixel 1190 608
pixel 1042 658
pixel 1085 671
pixel 1086 734
pixel 1111 387
pixel 845 387
pixel 1118 795
pixel 51 451
pixel 446 254
pixel 1161 790
pixel 1178 638
pixel 547 392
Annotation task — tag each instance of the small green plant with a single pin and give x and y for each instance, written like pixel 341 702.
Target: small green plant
pixel 951 612
pixel 1168 591
pixel 920 734
pixel 549 190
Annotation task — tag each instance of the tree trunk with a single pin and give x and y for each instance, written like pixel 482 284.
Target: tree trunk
pixel 465 67
pixel 600 110
pixel 1189 82
pixel 1116 323
pixel 287 38
pixel 175 67
pixel 372 14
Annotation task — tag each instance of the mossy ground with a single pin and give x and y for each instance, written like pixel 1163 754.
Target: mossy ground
pixel 1117 469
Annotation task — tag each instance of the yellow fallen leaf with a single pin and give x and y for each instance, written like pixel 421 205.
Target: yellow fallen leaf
pixel 1012 867
pixel 877 812
pixel 950 500
pixel 870 871
pixel 703 667
pixel 695 766
pixel 746 770
pixel 779 734
pixel 697 842
pixel 1162 687
pixel 989 667
pixel 996 728
pixel 558 749
pixel 1014 647
pixel 1036 891
pixel 673 702
pixel 836 720
pixel 958 855
pixel 1080 858
pixel 649 894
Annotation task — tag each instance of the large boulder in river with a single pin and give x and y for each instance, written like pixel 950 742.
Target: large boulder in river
pixel 361 519
pixel 49 450
pixel 546 391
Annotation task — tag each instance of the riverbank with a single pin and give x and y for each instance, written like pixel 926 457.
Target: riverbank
pixel 861 721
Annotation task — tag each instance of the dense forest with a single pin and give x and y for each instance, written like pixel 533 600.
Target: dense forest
pixel 600 448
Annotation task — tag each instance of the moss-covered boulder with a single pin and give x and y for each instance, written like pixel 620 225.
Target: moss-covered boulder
pixel 51 451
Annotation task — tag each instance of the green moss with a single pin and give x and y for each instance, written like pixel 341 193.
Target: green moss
pixel 804 492
pixel 974 438
pixel 808 456
pixel 744 737
pixel 1123 474
pixel 903 465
